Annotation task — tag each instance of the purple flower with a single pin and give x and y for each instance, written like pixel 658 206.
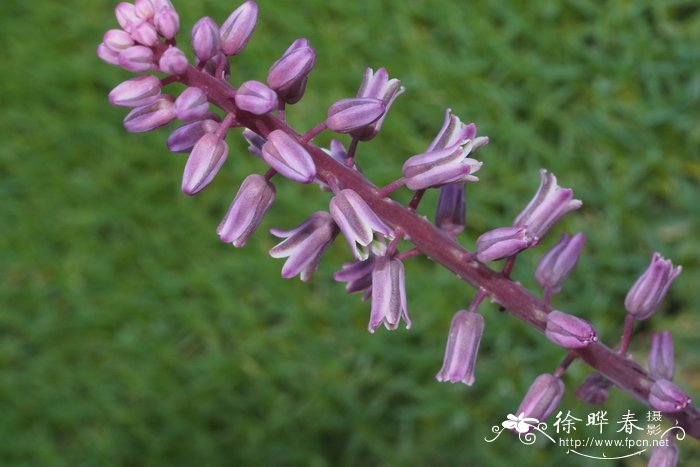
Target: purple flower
pixel 594 389
pixel 451 208
pixel 256 98
pixel 667 397
pixel 569 331
pixel 288 157
pixel 288 75
pixel 388 295
pixel 646 294
pixel 254 198
pixel 137 58
pixel 238 28
pixel 145 33
pixel 191 104
pixel 186 136
pixel 542 397
pixel 205 39
pixel 502 242
pixel 559 261
pixel 173 61
pixel 167 22
pixel 357 221
pixel 205 160
pixel 378 86
pixel 348 115
pixel 107 54
pixel 255 142
pixel 664 456
pixel 453 132
pixel 144 9
pixel 151 116
pixel 462 348
pixel 304 245
pixel 661 361
pixel 117 40
pixel 441 166
pixel 550 203
pixel 126 16
pixel 136 92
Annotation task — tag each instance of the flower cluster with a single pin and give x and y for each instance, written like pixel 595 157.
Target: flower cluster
pixel 372 224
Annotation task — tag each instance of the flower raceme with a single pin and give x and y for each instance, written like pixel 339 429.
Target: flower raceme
pixel 374 225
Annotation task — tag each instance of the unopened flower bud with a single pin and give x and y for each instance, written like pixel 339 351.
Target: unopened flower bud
pixel 252 201
pixel 462 348
pixel 205 160
pixel 441 166
pixel 550 203
pixel 594 389
pixel 288 75
pixel 357 221
pixel 347 115
pixel 173 61
pixel 144 9
pixel 137 58
pixel 559 261
pixel 191 104
pixel 502 242
pixel 117 40
pixel 256 98
pixel 167 22
pixel 136 92
pixel 183 138
pixel 107 54
pixel 304 245
pixel 569 331
pixel 238 28
pixel 388 294
pixel 126 16
pixel 451 208
pixel 205 39
pixel 664 456
pixel 646 294
pixel 661 361
pixel 542 397
pixel 288 157
pixel 145 33
pixel 378 86
pixel 667 397
pixel 151 116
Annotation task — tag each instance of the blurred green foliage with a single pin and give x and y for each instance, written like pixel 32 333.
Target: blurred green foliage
pixel 129 335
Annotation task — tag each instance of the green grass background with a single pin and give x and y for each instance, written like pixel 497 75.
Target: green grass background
pixel 130 335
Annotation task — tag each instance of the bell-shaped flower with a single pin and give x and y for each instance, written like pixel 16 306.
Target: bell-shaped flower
pixel 542 397
pixel 650 289
pixel 550 203
pixel 451 208
pixel 238 28
pixel 254 198
pixel 288 75
pixel 569 331
pixel 661 358
pixel 556 265
pixel 357 221
pixel 667 397
pixel 205 160
pixel 304 245
pixel 502 242
pixel 441 166
pixel 388 294
pixel 377 85
pixel 462 348
pixel 288 157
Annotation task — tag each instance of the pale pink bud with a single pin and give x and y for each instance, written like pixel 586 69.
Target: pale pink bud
pixel 136 92
pixel 137 58
pixel 256 98
pixel 126 16
pixel 144 9
pixel 107 54
pixel 252 201
pixel 191 104
pixel 151 116
pixel 173 61
pixel 238 28
pixel 117 40
pixel 205 160
pixel 186 136
pixel 145 33
pixel 205 39
pixel 167 22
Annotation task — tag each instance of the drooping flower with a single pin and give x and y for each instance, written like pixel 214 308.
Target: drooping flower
pixel 661 359
pixel 451 208
pixel 254 198
pixel 542 397
pixel 205 160
pixel 388 294
pixel 466 330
